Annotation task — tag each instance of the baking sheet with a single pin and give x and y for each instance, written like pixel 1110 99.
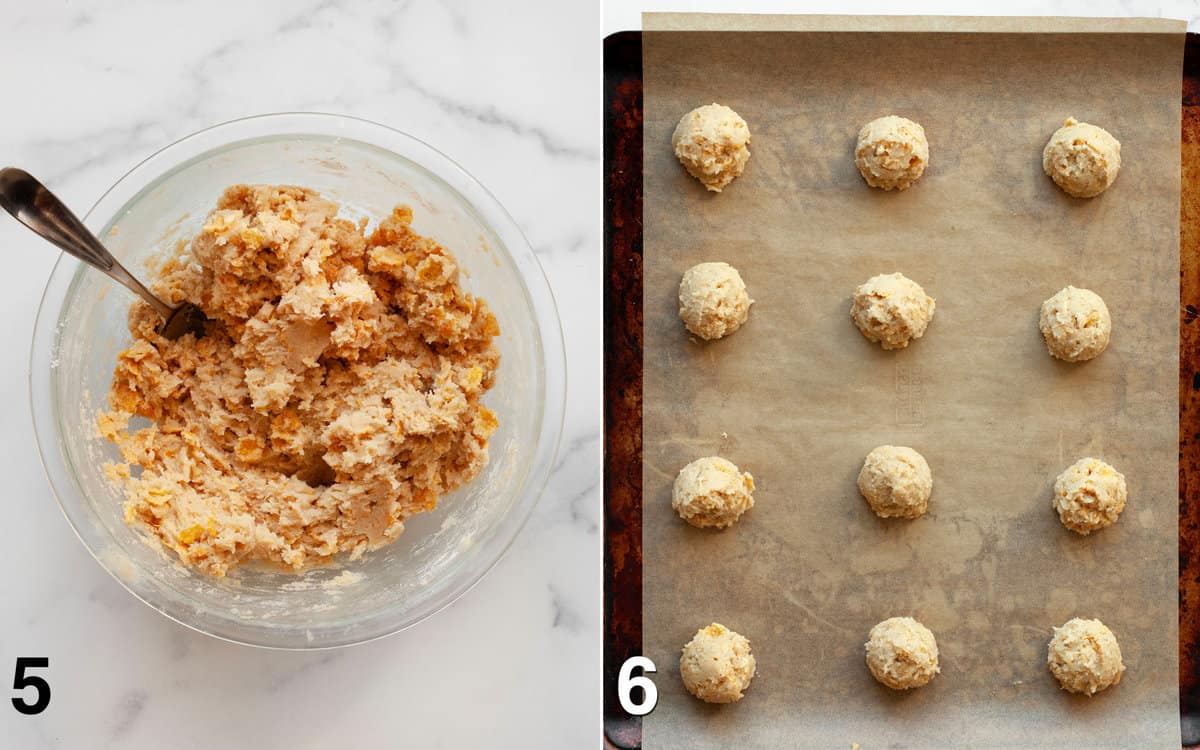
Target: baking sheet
pixel 798 397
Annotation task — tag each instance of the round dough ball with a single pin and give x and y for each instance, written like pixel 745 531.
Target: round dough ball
pixel 710 492
pixel 713 301
pixel 1075 324
pixel 1089 495
pixel 891 310
pixel 717 665
pixel 896 482
pixel 1084 656
pixel 902 653
pixel 711 143
pixel 1082 159
pixel 892 152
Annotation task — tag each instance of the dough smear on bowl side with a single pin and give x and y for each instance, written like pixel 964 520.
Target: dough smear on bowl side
pixel 1075 324
pixel 892 152
pixel 1084 657
pixel 717 665
pixel 336 392
pixel 902 653
pixel 896 482
pixel 711 492
pixel 891 310
pixel 1082 159
pixel 1089 495
pixel 713 301
pixel 711 142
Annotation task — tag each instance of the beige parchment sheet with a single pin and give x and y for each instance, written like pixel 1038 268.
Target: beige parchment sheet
pixel 798 397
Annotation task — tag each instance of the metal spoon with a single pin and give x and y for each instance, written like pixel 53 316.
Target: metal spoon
pixel 37 208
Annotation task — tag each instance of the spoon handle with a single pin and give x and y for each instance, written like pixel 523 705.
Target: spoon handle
pixel 37 208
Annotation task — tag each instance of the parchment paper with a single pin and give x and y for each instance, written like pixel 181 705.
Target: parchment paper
pixel 798 397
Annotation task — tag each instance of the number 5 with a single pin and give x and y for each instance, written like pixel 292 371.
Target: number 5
pixel 22 681
pixel 626 683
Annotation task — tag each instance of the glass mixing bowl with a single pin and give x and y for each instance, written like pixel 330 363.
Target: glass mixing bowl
pixel 368 169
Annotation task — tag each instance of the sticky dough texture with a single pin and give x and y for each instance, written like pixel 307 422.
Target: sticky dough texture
pixel 336 392
pixel 711 492
pixel 1082 159
pixel 892 152
pixel 1089 495
pixel 1084 656
pixel 902 653
pixel 891 310
pixel 1075 324
pixel 713 301
pixel 896 482
pixel 717 665
pixel 712 143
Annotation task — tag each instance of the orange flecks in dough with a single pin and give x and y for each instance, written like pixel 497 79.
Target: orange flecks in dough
pixel 336 392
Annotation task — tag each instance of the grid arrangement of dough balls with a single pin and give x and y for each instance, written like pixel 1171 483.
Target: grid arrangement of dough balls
pixel 892 153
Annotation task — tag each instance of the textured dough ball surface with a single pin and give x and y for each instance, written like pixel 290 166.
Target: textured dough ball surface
pixel 711 492
pixel 902 653
pixel 891 310
pixel 896 482
pixel 1084 656
pixel 1082 159
pixel 892 152
pixel 711 142
pixel 717 665
pixel 1089 495
pixel 713 301
pixel 1075 324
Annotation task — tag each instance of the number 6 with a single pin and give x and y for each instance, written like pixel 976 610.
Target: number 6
pixel 626 683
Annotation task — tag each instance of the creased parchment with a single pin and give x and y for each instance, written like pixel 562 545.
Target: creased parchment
pixel 798 397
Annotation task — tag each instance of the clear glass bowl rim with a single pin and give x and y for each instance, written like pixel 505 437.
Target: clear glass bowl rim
pixel 183 151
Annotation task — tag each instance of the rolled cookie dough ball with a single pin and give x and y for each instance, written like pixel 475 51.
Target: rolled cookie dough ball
pixel 1089 495
pixel 713 301
pixel 1082 159
pixel 717 665
pixel 896 482
pixel 711 143
pixel 892 152
pixel 902 653
pixel 891 309
pixel 1084 656
pixel 1075 324
pixel 710 492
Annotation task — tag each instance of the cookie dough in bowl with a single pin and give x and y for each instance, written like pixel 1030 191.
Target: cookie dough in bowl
pixel 337 389
pixel 366 170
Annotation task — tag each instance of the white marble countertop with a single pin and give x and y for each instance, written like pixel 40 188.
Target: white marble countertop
pixel 510 91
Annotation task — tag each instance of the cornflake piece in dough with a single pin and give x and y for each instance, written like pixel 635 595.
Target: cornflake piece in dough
pixel 717 665
pixel 711 492
pixel 891 310
pixel 713 301
pixel 1084 656
pixel 902 653
pixel 1089 495
pixel 1082 159
pixel 711 143
pixel 1075 324
pixel 892 152
pixel 896 482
